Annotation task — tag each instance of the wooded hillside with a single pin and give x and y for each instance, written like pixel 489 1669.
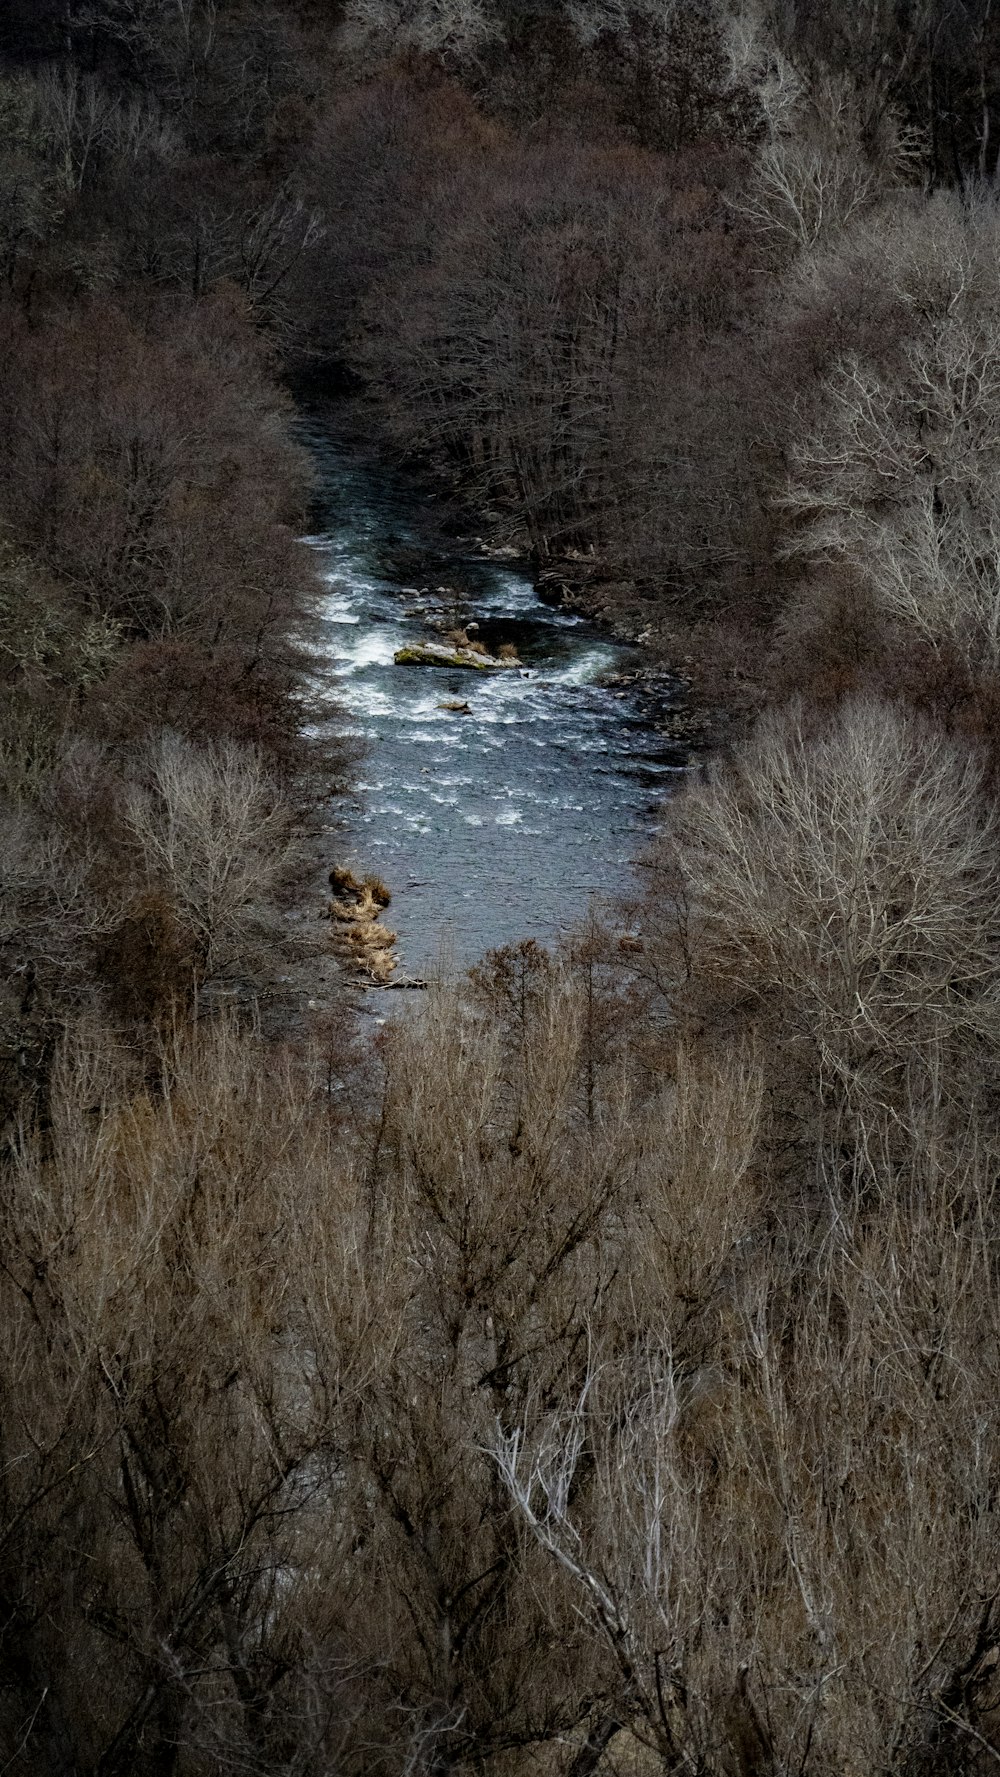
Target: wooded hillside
pixel 600 1372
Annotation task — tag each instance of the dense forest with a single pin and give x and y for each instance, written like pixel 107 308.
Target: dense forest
pixel 600 1371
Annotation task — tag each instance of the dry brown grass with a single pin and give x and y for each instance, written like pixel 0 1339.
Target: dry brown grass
pixel 378 889
pixel 359 935
pixel 460 638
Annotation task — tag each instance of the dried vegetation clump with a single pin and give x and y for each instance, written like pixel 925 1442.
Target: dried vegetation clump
pixel 359 935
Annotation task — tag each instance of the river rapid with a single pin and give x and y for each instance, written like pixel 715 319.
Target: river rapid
pixel 508 822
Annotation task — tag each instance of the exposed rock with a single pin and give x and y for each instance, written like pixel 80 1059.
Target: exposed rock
pixel 500 551
pixel 437 654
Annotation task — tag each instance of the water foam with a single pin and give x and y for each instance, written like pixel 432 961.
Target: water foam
pixel 339 608
pixel 375 647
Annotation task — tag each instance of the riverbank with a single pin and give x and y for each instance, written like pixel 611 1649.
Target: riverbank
pixel 717 658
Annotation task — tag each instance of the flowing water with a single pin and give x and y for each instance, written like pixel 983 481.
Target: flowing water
pixel 504 823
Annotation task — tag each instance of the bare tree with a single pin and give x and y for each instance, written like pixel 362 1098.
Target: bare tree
pixel 822 162
pixel 841 883
pixel 787 1548
pixel 213 833
pixel 117 438
pixel 172 1608
pixel 457 31
pixel 83 121
pixel 207 1262
pixel 30 200
pixel 895 479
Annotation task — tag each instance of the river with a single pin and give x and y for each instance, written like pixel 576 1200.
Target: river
pixel 504 823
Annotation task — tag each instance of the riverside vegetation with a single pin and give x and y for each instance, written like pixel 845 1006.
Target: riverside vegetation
pixel 600 1373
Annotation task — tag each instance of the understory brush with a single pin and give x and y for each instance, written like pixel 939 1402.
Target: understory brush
pixel 547 1425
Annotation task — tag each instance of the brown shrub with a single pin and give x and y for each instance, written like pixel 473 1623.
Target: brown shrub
pixel 211 695
pixel 150 963
pixel 145 457
pixel 829 641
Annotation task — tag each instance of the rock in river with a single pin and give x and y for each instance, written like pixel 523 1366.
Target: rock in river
pixel 440 654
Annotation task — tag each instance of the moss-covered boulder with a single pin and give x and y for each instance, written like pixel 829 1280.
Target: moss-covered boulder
pixel 440 654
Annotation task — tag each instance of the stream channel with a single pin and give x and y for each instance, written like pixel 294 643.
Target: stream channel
pixel 504 823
